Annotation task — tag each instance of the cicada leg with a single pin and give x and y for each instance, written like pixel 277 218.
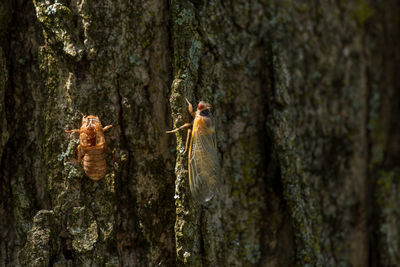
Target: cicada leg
pixel 107 127
pixel 74 131
pixel 79 154
pixel 187 141
pixel 180 128
pixel 100 146
pixel 190 108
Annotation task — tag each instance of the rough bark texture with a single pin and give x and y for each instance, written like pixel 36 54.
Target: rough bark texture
pixel 306 99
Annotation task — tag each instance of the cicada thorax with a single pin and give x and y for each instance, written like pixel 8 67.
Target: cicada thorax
pixel 93 143
pixel 205 124
pixel 92 137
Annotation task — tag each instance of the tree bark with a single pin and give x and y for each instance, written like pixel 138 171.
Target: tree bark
pixel 306 98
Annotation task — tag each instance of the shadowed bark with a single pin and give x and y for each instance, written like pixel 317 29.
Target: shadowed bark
pixel 305 96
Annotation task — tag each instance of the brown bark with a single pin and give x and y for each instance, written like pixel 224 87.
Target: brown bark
pixel 306 98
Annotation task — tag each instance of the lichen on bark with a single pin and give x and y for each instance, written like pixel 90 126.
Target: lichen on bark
pixel 83 54
pixel 214 64
pixel 40 246
pixel 305 97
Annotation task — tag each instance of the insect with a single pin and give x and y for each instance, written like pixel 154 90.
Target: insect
pixel 204 169
pixel 92 145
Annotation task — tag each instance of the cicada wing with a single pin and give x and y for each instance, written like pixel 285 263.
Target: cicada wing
pixel 204 169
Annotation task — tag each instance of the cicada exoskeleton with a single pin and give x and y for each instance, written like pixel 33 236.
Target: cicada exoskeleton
pixel 92 145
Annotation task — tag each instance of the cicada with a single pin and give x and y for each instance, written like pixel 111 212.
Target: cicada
pixel 92 145
pixel 204 168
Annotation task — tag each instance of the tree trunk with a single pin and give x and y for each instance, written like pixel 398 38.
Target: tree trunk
pixel 306 98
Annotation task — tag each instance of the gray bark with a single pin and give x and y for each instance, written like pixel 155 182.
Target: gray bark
pixel 305 96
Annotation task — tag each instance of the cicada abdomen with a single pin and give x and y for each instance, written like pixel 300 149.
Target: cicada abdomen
pixel 94 164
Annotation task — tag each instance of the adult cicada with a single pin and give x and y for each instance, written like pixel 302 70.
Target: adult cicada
pixel 204 169
pixel 92 145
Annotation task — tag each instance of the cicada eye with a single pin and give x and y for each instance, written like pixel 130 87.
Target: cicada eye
pixel 205 113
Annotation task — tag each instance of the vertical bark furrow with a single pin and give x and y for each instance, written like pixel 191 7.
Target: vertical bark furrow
pixel 305 96
pixel 384 129
pixel 319 128
pixel 219 52
pixel 87 47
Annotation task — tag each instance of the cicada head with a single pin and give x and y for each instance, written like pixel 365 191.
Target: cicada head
pixel 91 124
pixel 203 106
pixel 204 114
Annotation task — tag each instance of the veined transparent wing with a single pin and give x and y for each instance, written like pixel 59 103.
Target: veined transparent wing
pixel 204 169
